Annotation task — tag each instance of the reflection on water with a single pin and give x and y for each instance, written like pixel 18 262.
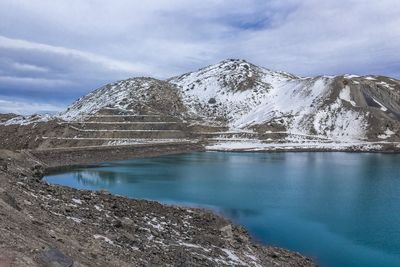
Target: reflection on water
pixel 341 208
pixel 95 178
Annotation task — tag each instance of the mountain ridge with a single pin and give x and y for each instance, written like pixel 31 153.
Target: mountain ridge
pixel 255 104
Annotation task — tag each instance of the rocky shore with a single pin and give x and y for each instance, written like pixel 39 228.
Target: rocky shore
pixel 49 225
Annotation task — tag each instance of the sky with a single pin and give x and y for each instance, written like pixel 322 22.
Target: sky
pixel 54 51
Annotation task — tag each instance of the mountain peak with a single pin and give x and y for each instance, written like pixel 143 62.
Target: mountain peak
pixel 232 60
pixel 233 64
pixel 232 75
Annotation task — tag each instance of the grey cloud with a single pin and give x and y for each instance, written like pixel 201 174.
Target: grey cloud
pixel 27 107
pixel 88 43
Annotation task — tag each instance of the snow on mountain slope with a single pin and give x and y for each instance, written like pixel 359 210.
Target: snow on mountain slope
pixel 245 95
pixel 137 95
pixel 258 103
pixel 229 90
pixel 340 123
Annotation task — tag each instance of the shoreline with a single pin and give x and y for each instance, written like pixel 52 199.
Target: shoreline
pixel 362 147
pixel 94 227
pixel 61 158
pixel 62 168
pixel 67 157
pixel 299 150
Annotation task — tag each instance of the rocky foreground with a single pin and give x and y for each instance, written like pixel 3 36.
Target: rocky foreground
pixel 49 225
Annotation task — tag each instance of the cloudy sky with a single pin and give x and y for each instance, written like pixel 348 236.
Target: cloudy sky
pixel 54 51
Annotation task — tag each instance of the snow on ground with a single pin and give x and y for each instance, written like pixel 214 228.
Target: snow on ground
pixel 232 256
pixel 275 94
pixel 156 225
pixel 348 125
pixel 350 76
pixel 25 120
pixel 388 133
pixel 77 201
pixel 346 96
pixel 115 94
pixel 287 98
pixel 382 107
pixel 296 103
pixel 106 239
pixel 259 146
pixel 386 85
pixel 77 220
pixel 217 91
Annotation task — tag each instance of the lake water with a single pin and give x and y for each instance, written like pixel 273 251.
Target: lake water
pixel 342 209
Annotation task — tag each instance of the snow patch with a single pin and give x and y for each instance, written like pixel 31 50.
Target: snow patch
pixel 77 201
pixel 155 224
pixel 345 95
pixel 22 120
pixel 77 220
pixel 232 256
pixel 106 239
pixel 306 145
pixel 350 76
pixel 387 134
pixel 340 123
pixel 382 107
pixel 98 208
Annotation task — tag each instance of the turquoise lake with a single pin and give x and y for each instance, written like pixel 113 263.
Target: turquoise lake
pixel 341 209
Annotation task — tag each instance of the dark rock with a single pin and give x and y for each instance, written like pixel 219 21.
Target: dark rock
pixel 87 197
pixel 67 210
pixel 37 223
pixel 55 258
pixel 10 200
pixel 118 224
pixel 212 100
pixel 104 192
pixel 3 165
pixel 37 171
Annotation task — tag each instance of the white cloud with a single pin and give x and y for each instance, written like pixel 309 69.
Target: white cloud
pixel 28 67
pixel 331 37
pixel 112 64
pixel 90 43
pixel 29 81
pixel 163 38
pixel 23 107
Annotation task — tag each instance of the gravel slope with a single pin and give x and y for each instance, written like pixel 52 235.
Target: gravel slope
pixel 48 225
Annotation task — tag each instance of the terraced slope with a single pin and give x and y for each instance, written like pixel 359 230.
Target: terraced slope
pixel 114 127
pixel 237 105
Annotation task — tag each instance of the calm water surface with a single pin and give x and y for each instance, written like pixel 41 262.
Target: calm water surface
pixel 342 209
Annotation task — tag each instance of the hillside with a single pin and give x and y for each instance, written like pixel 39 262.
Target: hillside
pixel 236 105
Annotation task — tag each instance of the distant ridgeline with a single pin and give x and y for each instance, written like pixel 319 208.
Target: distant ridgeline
pixel 233 105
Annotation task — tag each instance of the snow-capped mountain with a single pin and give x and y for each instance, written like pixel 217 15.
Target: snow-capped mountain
pixel 236 99
pixel 247 96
